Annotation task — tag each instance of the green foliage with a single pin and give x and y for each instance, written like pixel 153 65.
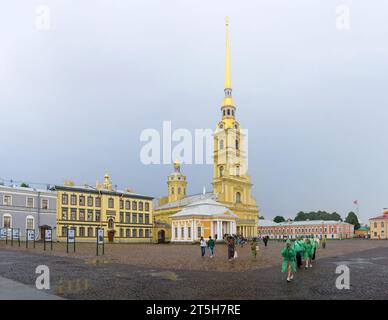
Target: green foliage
pixel 278 219
pixel 261 218
pixel 24 185
pixel 319 215
pixel 352 219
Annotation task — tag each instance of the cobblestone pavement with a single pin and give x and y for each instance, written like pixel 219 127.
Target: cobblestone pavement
pixel 76 278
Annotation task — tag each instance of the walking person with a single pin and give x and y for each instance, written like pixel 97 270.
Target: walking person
pixel 231 248
pixel 308 254
pixel 324 242
pixel 254 247
pixel 265 240
pixel 298 248
pixel 289 260
pixel 202 244
pixel 211 244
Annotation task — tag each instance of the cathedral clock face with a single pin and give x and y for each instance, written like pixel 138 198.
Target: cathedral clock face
pixel 221 126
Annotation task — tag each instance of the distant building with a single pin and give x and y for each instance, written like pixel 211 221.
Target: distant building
pixel 362 232
pixel 379 226
pixel 295 229
pixel 124 215
pixel 28 208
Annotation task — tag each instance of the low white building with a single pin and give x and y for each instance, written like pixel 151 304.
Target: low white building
pixel 202 218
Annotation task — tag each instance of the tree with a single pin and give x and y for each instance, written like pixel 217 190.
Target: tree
pixel 318 215
pixel 278 219
pixel 261 218
pixel 24 185
pixel 352 219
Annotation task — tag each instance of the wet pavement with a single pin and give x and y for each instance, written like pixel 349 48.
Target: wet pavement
pixel 103 278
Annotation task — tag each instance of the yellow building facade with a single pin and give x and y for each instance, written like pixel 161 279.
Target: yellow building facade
pixel 379 226
pixel 123 215
pixel 231 181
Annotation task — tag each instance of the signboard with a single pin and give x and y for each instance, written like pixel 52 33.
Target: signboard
pixel 100 236
pixel 16 234
pixel 71 235
pixel 30 235
pixel 3 233
pixel 48 234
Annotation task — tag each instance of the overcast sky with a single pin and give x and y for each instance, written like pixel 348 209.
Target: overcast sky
pixel 75 98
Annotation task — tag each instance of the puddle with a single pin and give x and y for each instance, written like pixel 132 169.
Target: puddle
pixel 167 275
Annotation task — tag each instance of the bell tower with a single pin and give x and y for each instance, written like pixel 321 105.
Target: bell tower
pixel 176 184
pixel 231 182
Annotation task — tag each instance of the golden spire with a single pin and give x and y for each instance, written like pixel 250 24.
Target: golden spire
pixel 228 84
pixel 228 100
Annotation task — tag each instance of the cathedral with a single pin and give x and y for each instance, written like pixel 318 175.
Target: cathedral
pixel 230 208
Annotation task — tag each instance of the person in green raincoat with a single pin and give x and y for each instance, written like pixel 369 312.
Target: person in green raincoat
pixel 254 248
pixel 308 253
pixel 298 248
pixel 289 261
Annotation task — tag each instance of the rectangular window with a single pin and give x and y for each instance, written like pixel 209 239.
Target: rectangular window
pixel 65 199
pixel 140 218
pixel 134 205
pixel 64 213
pixel 140 206
pixel 141 233
pixel 30 223
pixel 134 233
pixel 128 233
pixel 147 218
pixel 64 231
pixel 121 232
pixel 45 204
pixel 121 217
pixel 7 222
pixel 90 232
pixel 98 202
pixel 127 217
pixel 98 215
pixel 127 205
pixel 90 215
pixel 7 200
pixel 176 233
pixel 81 200
pixel 199 232
pixel 147 233
pixel 82 232
pixel 182 232
pixel 90 201
pixel 134 218
pixel 121 204
pixel 111 203
pixel 30 202
pixel 73 214
pixel 147 206
pixel 73 200
pixel 82 214
pixel 189 232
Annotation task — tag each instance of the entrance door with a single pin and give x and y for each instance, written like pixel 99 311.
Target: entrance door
pixel 111 235
pixel 161 236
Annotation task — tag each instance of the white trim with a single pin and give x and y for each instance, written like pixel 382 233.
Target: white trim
pixel 29 194
pixel 33 202
pixel 33 221
pixel 48 204
pixel 4 204
pixel 7 215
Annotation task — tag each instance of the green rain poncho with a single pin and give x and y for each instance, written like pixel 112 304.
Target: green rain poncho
pixel 308 252
pixel 289 256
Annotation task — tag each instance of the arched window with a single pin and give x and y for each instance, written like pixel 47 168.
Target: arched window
pixel 238 197
pixel 221 144
pixel 172 190
pixel 228 112
pixel 7 221
pixel 224 112
pixel 110 223
pixel 233 113
pixel 221 171
pixel 30 222
pixel 179 190
pixel 237 171
pixel 237 144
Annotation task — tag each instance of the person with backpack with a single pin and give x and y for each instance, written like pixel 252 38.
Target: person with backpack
pixel 211 244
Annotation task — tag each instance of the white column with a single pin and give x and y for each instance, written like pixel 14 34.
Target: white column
pixel 192 231
pixel 173 232
pixel 179 231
